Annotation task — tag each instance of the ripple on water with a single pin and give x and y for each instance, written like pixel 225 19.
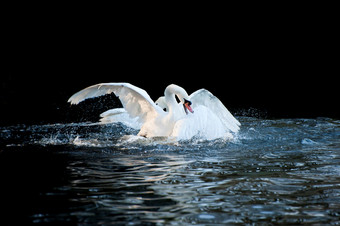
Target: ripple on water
pixel 283 171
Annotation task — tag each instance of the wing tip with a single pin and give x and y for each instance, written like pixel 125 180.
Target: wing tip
pixel 72 101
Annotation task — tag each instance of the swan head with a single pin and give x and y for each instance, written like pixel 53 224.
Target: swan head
pixel 187 106
pixel 181 94
pixel 161 103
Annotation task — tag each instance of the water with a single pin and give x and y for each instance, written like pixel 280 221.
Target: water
pixel 284 171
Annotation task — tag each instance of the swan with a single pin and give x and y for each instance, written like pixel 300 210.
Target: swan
pixel 210 120
pixel 212 117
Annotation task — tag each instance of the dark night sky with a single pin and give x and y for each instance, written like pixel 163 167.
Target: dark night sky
pixel 282 68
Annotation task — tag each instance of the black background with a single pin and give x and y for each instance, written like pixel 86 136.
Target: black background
pixel 267 63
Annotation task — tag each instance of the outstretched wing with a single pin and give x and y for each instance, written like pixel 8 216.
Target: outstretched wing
pixel 136 101
pixel 204 97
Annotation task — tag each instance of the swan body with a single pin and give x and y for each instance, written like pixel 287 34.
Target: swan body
pixel 202 124
pixel 203 97
pixel 210 120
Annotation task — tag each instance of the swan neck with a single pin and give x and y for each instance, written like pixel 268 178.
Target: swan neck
pixel 169 93
pixel 170 100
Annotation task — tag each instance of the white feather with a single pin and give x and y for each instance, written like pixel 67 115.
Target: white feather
pixel 207 99
pixel 119 115
pixel 136 101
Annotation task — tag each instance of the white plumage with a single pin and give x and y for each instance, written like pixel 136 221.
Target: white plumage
pixel 210 120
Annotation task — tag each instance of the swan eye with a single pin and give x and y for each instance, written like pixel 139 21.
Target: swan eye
pixel 187 101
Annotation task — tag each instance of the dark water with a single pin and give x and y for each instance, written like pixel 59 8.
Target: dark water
pixel 283 171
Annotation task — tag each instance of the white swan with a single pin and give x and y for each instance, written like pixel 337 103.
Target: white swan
pixel 211 120
pixel 175 122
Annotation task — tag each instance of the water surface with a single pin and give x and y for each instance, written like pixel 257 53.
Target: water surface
pixel 284 171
